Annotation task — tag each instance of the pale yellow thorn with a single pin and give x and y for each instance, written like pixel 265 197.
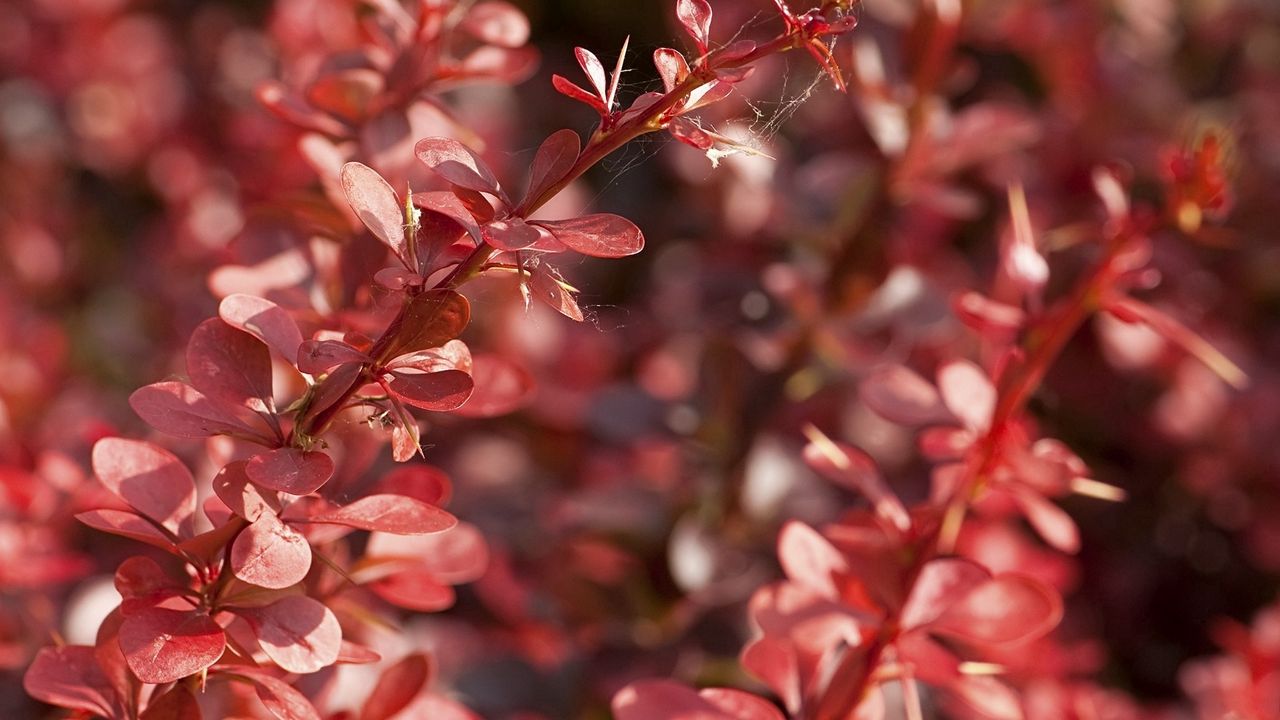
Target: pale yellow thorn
pixel 826 446
pixel 1100 490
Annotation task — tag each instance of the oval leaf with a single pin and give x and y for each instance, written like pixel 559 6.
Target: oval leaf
pixel 264 320
pixel 230 366
pixel 377 206
pixel 554 160
pixel 242 497
pixel 440 391
pixel 599 235
pixel 317 356
pixel 395 514
pixel 70 677
pixel 150 479
pixel 456 163
pixel 397 687
pixel 899 394
pixel 270 554
pixel 162 645
pixel 430 320
pixel 178 409
pixel 298 633
pixel 290 470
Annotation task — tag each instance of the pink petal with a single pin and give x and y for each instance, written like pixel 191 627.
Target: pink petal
pixel 150 479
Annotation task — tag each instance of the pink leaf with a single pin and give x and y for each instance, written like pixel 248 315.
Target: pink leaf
pixel 545 285
pixel 233 487
pixel 855 470
pixel 394 514
pixel 899 394
pixel 441 391
pixel 1050 521
pixel 70 677
pixel 431 319
pixel 176 704
pixel 377 206
pixel 456 163
pixel 421 482
pixel 127 524
pixel 554 159
pixel 150 479
pixel 741 705
pixel 317 356
pixel 230 366
pixel 809 559
pixel 967 393
pixel 695 16
pixel 162 645
pixel 397 687
pixel 270 554
pixel 940 583
pixel 414 589
pixel 1003 609
pixel 669 700
pixel 264 320
pixel 991 698
pixel 672 67
pixel 179 409
pixel 448 204
pixel 453 355
pixel 1171 329
pixel 987 317
pixel 290 470
pixel 347 94
pixel 278 696
pixel 333 389
pixel 600 235
pixel 501 387
pixel 567 88
pixel 458 555
pixel 437 707
pixel 773 661
pixel 353 654
pixel 298 633
pixel 595 71
pixel 497 23
pixel 141 580
pixel 690 133
pixel 510 234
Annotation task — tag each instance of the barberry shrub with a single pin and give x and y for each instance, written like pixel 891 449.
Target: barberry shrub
pixel 846 452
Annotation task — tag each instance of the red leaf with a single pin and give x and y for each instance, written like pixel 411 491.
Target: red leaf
pixel 453 355
pixel 178 409
pixel 451 206
pixel 394 514
pixel 510 234
pixel 599 235
pixel 141 579
pixel 1050 521
pixel 162 645
pixel 70 677
pixel 690 133
pixel 334 388
pixel 270 554
pixel 414 589
pixel 967 393
pixel 264 320
pixel 347 94
pixel 899 394
pixel 432 319
pixel 437 707
pixel 230 366
pixel 176 704
pixel 456 556
pixel 233 487
pixel 298 633
pixel 458 164
pixel 422 482
pixel 672 67
pixel 397 687
pixel 809 559
pixel 501 387
pixel 548 288
pixel 353 654
pixel 127 524
pixel 377 206
pixel 554 159
pixel 317 356
pixel 279 697
pixel 940 583
pixel 669 700
pixel 150 479
pixel 290 470
pixel 497 23
pixel 440 391
pixel 854 469
pixel 695 16
pixel 567 88
pixel 1003 609
pixel 987 317
pixel 1171 329
pixel 590 65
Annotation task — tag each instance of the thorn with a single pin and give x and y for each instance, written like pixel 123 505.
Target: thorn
pixel 1100 490
pixel 826 446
